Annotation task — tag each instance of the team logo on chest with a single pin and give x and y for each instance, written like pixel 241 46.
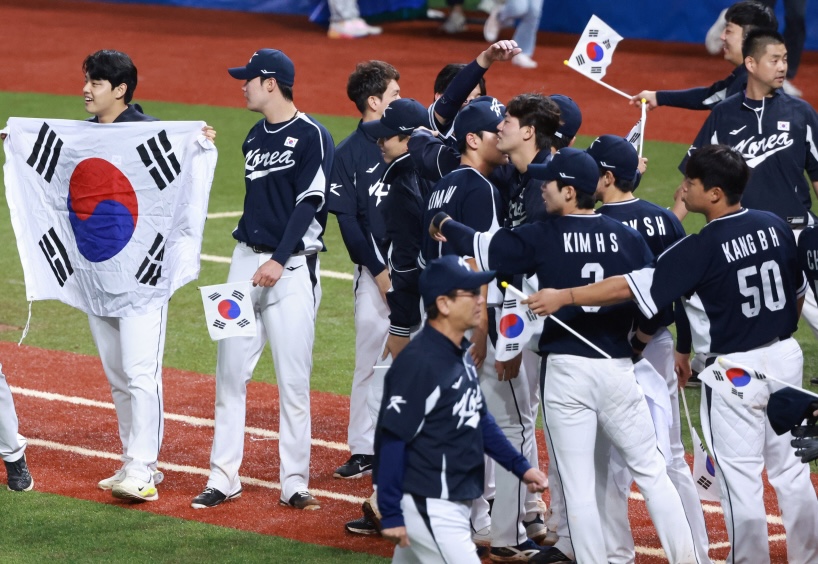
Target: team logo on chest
pixel 467 408
pixel 290 142
pixel 267 162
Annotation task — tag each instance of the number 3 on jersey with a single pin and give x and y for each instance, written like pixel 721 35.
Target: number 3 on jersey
pixel 594 272
pixel 771 284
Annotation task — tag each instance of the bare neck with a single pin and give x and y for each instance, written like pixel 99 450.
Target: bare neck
pixel 279 112
pixel 757 90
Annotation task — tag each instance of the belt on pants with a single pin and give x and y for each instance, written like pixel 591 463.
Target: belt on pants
pixel 260 248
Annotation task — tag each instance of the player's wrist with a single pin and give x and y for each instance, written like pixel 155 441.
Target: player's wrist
pixel 439 219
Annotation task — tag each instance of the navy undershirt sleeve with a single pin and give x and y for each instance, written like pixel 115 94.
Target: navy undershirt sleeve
pixel 297 225
pixel 391 458
pixel 496 445
pixel 459 236
pixel 458 90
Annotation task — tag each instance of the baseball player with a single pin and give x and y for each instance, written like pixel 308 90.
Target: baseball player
pixel 618 161
pixel 787 410
pixel 288 158
pixel 12 444
pixel 576 401
pixel 355 193
pixel 130 348
pixel 434 426
pixel 777 136
pixel 740 283
pixel 741 17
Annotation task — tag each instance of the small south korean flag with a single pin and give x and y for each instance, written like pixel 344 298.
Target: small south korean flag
pixel 704 471
pixel 228 310
pixel 594 50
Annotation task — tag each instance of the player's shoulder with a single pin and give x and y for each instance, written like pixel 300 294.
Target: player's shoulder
pixel 309 123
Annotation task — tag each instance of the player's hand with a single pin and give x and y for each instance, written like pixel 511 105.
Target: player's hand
pixel 421 130
pixel 681 366
pixel 478 350
pixel 536 480
pixel 394 346
pixel 643 165
pixel 650 99
pixel 434 226
pixel 210 133
pixel 3 136
pixel 384 282
pixel 503 50
pixel 396 535
pixel 268 274
pixel 546 301
pixel 679 208
pixel 509 369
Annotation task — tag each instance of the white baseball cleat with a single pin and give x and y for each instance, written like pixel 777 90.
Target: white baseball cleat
pixel 491 29
pixel 524 61
pixel 109 483
pixel 135 489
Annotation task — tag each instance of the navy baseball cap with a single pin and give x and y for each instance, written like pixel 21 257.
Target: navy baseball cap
pixel 400 117
pixel 570 116
pixel 269 63
pixel 573 167
pixel 447 274
pixel 481 114
pixel 614 153
pixel 789 407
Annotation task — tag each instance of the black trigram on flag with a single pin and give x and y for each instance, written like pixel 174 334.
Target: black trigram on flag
pixel 151 268
pixel 243 323
pixel 735 392
pixel 593 33
pixel 718 376
pixel 509 304
pixel 760 376
pixel 634 138
pixel 596 70
pixel 214 296
pixel 607 43
pixel 46 153
pixel 57 258
pixel 219 324
pixel 512 347
pixel 158 159
pixel 530 315
pixel 238 295
pixel 704 483
pixel 580 60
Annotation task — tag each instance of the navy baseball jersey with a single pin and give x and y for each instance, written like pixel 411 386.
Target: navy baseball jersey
pixel 705 97
pixel 525 203
pixel 355 193
pixel 432 401
pixel 565 252
pixel 739 278
pixel 132 113
pixel 776 136
pixel 808 255
pixel 468 197
pixel 284 164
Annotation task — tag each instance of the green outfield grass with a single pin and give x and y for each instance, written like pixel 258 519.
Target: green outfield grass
pixel 80 530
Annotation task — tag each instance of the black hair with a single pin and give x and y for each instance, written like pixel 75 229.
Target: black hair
pixel 370 78
pixel 286 91
pixel 622 185
pixel 722 166
pixel 558 142
pixel 757 40
pixel 115 67
pixel 461 143
pixel 750 14
pixel 538 111
pixel 584 200
pixel 447 74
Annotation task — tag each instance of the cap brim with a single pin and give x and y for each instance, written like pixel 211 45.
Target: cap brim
pixel 542 172
pixel 477 279
pixel 241 73
pixel 379 131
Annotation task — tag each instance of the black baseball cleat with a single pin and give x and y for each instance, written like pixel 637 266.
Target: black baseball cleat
pixel 211 497
pixel 362 526
pixel 19 478
pixel 694 381
pixel 371 514
pixel 358 466
pixel 813 381
pixel 301 500
pixel 550 555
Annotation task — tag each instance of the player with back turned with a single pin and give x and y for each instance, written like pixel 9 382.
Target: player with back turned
pixel 741 286
pixel 577 403
pixel 288 157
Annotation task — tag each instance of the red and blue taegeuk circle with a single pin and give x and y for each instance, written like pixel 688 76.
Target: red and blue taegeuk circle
pixel 229 309
pixel 594 51
pixel 738 377
pixel 102 209
pixel 711 468
pixel 511 325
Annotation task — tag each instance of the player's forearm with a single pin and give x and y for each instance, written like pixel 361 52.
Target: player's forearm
pixel 459 236
pixel 458 90
pixel 611 291
pixel 358 246
pixel 297 226
pixel 391 456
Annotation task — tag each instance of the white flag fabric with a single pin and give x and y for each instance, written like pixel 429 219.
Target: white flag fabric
pixel 658 399
pixel 518 325
pixel 738 383
pixel 704 471
pixel 108 218
pixel 229 310
pixel 595 49
pixel 634 136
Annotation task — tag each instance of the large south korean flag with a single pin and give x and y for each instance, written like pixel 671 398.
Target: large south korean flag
pixel 108 218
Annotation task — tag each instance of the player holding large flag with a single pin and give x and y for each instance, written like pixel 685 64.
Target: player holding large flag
pixel 113 230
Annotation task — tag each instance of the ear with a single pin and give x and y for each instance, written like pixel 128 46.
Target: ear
pixel 473 141
pixel 119 91
pixel 569 193
pixel 528 132
pixel 373 103
pixel 609 178
pixel 442 303
pixel 750 63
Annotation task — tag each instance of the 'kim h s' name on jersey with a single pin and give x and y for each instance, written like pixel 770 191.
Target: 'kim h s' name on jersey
pixel 284 163
pixel 739 278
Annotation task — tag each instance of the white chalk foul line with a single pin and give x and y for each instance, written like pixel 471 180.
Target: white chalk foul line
pixel 187 469
pixel 324 273
pixel 714 508
pixel 223 215
pixel 188 419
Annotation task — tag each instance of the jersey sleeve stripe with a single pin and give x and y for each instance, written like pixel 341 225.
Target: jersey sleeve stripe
pixel 811 142
pixel 640 282
pixel 315 189
pixel 802 288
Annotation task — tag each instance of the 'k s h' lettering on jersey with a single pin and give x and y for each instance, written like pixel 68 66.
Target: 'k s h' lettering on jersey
pixel 739 278
pixel 284 164
pixel 432 401
pixel 570 251
pixel 356 191
pixel 777 137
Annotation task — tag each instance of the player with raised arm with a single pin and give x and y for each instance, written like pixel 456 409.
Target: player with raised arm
pixel 288 157
pixel 741 286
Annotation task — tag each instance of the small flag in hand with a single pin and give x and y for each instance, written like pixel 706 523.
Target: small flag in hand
pixel 518 325
pixel 704 471
pixel 595 49
pixel 733 381
pixel 228 310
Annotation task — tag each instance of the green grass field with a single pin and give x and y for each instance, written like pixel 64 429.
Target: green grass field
pixel 40 527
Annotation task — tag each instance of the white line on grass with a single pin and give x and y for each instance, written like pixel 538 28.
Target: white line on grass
pixel 186 469
pixel 715 508
pixel 223 215
pixel 324 273
pixel 188 419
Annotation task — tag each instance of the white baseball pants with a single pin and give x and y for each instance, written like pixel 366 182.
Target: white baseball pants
pixel 438 532
pixel 12 444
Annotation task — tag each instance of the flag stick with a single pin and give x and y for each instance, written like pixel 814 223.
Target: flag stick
pixel 608 86
pixel 558 321
pixel 642 127
pixel 687 411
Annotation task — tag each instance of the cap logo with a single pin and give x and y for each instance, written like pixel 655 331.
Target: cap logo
pixel 563 175
pixel 405 128
pixel 496 107
pixel 462 262
pixel 252 57
pixel 264 71
pixel 606 165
